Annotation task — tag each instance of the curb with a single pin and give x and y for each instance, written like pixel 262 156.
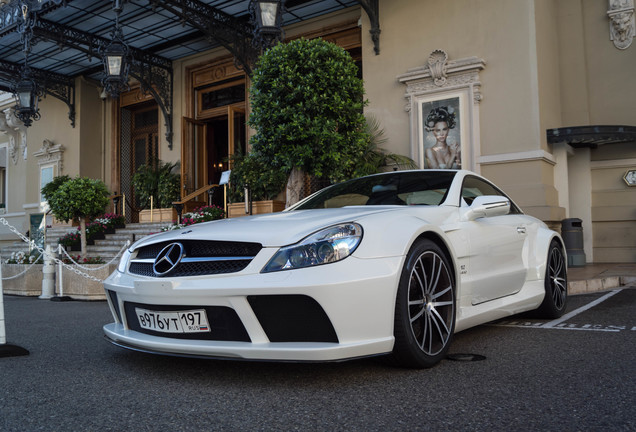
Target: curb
pixel 601 284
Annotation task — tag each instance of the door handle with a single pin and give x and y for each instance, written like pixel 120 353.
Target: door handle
pixel 521 230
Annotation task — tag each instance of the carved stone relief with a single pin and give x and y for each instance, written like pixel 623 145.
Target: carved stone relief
pixel 51 153
pixel 15 129
pixel 622 23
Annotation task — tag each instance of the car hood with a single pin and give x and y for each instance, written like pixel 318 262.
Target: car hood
pixel 270 230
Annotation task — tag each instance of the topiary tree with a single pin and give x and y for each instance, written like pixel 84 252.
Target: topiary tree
pixel 49 189
pixel 78 199
pixel 307 104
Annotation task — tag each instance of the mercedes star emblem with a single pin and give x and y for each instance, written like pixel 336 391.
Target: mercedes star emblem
pixel 168 259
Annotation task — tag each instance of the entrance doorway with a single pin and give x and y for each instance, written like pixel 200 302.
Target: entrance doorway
pixel 208 144
pixel 225 136
pixel 139 145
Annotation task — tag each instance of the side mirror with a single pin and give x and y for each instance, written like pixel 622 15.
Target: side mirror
pixel 487 206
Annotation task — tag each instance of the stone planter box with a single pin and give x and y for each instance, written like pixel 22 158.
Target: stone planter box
pixel 158 215
pixel 29 284
pixel 258 207
pixel 75 286
pixel 80 288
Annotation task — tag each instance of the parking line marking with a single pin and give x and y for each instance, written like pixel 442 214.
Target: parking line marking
pixel 561 324
pixel 575 312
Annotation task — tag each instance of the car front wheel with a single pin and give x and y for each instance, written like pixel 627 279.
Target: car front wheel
pixel 556 284
pixel 425 307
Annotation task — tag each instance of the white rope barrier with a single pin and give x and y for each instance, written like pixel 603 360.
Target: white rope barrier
pixel 123 248
pixel 58 261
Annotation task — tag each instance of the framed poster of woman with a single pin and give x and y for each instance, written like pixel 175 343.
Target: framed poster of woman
pixel 442 128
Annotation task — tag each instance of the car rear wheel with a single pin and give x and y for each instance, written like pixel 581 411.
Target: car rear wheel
pixel 556 284
pixel 425 307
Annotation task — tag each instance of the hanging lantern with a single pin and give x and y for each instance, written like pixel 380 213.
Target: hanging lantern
pixel 116 59
pixel 116 66
pixel 267 16
pixel 27 95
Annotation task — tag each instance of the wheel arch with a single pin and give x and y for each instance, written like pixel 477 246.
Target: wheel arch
pixel 543 249
pixel 441 242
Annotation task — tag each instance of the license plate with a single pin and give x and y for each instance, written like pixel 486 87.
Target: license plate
pixel 191 321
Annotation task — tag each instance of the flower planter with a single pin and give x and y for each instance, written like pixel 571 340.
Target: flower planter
pixel 109 230
pixel 97 236
pixel 158 215
pixel 79 287
pixel 29 284
pixel 75 286
pixel 258 207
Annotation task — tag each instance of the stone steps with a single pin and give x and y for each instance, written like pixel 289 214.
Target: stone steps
pixel 106 249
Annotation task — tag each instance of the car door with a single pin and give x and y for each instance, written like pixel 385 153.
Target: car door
pixel 496 266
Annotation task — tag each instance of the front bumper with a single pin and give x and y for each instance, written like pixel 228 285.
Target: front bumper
pixel 284 315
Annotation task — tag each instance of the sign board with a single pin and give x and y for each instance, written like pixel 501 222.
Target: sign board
pixel 225 177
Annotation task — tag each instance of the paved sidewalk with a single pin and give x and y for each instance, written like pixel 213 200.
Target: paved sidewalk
pixel 599 277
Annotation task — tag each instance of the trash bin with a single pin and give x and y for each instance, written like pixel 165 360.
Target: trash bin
pixel 572 233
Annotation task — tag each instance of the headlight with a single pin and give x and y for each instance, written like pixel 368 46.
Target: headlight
pixel 123 262
pixel 326 246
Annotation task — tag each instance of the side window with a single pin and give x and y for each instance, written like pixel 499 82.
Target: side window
pixel 474 187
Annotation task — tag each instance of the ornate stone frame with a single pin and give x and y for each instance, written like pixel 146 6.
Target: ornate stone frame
pixel 50 155
pixel 443 79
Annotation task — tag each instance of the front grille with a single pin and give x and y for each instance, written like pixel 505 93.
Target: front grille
pixel 199 258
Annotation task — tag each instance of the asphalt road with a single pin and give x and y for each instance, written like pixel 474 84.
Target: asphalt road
pixel 575 375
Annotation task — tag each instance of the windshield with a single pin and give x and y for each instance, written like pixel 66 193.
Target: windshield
pixel 396 188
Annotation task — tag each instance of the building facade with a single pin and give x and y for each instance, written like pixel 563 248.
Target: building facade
pixel 541 91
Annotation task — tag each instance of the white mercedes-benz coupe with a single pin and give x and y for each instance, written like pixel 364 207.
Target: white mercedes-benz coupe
pixel 390 264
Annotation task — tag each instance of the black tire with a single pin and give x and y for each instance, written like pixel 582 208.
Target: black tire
pixel 424 308
pixel 556 284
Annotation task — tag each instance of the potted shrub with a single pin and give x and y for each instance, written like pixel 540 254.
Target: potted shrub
pixel 206 213
pixel 265 185
pixel 95 230
pixel 111 222
pixel 157 184
pixel 71 240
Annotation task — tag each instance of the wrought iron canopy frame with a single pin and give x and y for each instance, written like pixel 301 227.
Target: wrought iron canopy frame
pixel 154 73
pixel 372 8
pixel 232 33
pixel 59 86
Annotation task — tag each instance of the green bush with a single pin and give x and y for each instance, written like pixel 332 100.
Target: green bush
pixel 265 183
pixel 158 181
pixel 307 104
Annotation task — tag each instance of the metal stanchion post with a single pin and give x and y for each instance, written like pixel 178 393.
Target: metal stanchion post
pixel 61 296
pixel 48 275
